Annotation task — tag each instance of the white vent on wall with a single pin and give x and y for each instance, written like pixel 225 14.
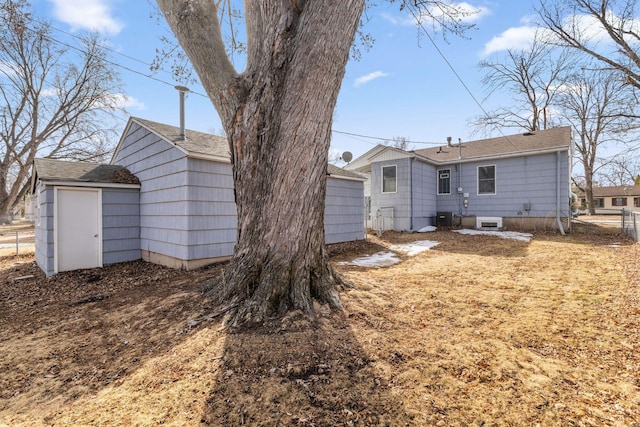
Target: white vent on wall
pixel 489 222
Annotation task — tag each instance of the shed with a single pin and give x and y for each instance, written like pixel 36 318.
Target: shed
pixel 187 206
pixel 165 198
pixel 86 215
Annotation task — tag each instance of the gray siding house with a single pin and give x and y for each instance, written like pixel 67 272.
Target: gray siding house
pixel 518 181
pixel 182 209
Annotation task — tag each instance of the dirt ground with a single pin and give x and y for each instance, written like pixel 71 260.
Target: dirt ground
pixel 478 331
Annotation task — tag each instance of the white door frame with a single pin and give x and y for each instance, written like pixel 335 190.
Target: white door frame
pixel 56 227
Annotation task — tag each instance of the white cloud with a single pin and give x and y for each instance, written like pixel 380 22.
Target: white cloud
pixel 7 69
pixel 516 38
pixel 588 28
pixel 124 101
pixel 92 15
pixel 369 77
pixel 592 30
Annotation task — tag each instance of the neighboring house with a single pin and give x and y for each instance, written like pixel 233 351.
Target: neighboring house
pixel 180 212
pixel 517 181
pixel 613 199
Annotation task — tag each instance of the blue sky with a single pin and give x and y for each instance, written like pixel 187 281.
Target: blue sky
pixel 402 87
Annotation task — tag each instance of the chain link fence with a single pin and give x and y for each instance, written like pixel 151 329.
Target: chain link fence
pixel 15 242
pixel 630 224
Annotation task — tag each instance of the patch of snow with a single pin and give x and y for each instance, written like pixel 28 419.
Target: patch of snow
pixel 386 259
pixel 415 248
pixel 428 229
pixel 380 259
pixel 513 235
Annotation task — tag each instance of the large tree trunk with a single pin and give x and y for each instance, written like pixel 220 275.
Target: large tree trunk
pixel 277 116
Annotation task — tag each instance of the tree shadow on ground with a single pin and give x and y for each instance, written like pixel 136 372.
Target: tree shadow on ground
pixel 301 372
pixel 78 333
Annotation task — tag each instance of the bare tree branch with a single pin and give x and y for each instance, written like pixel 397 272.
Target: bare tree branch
pixel 53 100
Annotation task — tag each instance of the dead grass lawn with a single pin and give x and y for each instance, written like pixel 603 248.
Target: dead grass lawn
pixel 477 331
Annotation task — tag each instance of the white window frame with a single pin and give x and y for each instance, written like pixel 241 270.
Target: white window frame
pixel 382 179
pixel 438 184
pixel 495 180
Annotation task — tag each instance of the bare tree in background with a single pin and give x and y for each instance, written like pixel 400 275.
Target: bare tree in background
pixel 622 170
pixel 277 115
pixel 533 76
pixel 600 110
pixel 400 142
pixel 605 30
pixel 52 100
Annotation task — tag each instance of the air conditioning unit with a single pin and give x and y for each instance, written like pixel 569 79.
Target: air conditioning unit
pixel 444 219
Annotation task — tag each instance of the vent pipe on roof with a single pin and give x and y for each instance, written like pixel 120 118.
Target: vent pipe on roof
pixel 182 90
pixel 449 141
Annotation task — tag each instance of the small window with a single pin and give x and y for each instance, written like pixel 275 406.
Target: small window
pixel 486 180
pixel 598 203
pixel 619 201
pixel 444 181
pixel 389 181
pixel 636 202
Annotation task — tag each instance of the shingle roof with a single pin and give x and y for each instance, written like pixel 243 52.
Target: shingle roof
pixel 529 142
pixel 614 191
pixel 59 170
pixel 194 143
pixel 335 170
pixel 211 145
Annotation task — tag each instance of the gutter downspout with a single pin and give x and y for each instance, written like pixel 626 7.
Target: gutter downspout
pixel 411 194
pixel 558 193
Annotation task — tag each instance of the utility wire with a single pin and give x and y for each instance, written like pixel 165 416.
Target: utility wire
pixel 379 138
pixel 412 10
pixel 416 15
pixel 115 64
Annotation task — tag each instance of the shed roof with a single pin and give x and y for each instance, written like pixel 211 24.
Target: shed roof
pixel 195 143
pixel 205 144
pixel 519 144
pixel 66 171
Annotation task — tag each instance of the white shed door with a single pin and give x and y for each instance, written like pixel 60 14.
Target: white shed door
pixel 78 237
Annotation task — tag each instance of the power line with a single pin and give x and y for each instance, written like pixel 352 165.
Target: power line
pixel 415 14
pixel 115 64
pixel 379 138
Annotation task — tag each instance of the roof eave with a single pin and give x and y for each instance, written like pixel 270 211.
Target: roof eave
pixel 501 156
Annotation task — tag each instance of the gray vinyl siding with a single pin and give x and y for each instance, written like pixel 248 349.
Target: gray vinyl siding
pixel 187 206
pixel 212 217
pixel 423 203
pixel 164 203
pixel 519 180
pixel 120 225
pixel 344 211
pixel 43 216
pixel 398 201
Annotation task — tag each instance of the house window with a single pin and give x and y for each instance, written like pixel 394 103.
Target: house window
pixel 636 202
pixel 619 201
pixel 598 203
pixel 444 181
pixel 487 179
pixel 389 181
